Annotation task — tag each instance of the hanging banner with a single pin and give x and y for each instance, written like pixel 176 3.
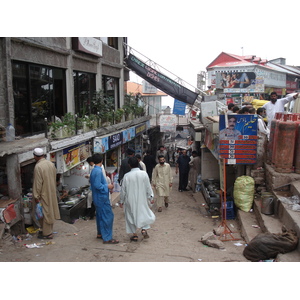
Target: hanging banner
pixel 179 108
pixel 238 139
pixel 167 123
pixel 160 81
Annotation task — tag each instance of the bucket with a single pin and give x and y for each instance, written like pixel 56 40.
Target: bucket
pixel 267 204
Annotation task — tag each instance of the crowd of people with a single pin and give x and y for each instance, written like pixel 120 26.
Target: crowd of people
pixel 139 178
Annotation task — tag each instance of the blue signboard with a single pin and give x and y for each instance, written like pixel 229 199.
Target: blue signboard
pixel 179 107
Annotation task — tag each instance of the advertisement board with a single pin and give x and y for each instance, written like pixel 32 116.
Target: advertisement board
pixel 238 139
pixel 167 123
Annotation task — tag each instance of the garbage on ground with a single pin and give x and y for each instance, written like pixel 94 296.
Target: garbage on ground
pixel 255 226
pixel 31 229
pixel 268 245
pixel 211 240
pixel 293 202
pixel 34 245
pixel 238 244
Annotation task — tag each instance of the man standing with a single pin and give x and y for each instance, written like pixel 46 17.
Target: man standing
pixel 44 191
pixel 142 165
pixel 150 163
pixel 124 168
pixel 162 181
pixel 135 192
pixel 195 169
pixel 277 105
pixel 100 193
pixel 183 165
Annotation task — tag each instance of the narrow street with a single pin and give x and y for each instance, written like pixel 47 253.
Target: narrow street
pixel 174 237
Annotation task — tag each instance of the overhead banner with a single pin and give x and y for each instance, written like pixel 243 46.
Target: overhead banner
pixel 167 123
pixel 161 81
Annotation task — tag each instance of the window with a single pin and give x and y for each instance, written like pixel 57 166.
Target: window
pixel 111 88
pixel 84 89
pixel 39 93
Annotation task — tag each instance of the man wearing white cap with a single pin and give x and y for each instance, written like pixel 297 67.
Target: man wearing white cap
pixel 44 191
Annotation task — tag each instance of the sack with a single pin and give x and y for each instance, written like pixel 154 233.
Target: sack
pixel 243 192
pixel 269 245
pixel 38 211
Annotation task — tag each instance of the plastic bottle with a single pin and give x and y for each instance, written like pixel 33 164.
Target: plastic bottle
pixel 10 133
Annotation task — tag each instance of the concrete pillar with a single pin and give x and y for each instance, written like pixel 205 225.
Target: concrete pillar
pixel 14 177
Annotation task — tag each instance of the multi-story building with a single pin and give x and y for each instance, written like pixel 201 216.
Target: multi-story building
pixel 46 82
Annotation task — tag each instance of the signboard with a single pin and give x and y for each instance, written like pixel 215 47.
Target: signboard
pixel 100 144
pixel 167 123
pixel 238 139
pixel 72 156
pixel 88 45
pixel 179 107
pixel 240 82
pixel 148 88
pixel 140 129
pixel 115 140
pixel 161 81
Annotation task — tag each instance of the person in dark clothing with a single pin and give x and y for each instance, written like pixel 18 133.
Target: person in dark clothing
pixel 182 164
pixel 150 163
pixel 125 168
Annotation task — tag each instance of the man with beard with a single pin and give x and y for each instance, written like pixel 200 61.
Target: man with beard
pixel 277 105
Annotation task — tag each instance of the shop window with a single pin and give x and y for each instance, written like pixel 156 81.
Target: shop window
pixel 84 89
pixel 111 88
pixel 39 93
pixel 113 42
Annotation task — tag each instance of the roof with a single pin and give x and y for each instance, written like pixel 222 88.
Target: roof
pixel 133 87
pixel 231 60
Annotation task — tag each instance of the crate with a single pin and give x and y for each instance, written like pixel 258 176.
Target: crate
pixel 230 210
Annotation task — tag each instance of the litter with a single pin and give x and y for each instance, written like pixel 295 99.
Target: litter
pixel 199 259
pixel 30 246
pixel 255 226
pixel 238 244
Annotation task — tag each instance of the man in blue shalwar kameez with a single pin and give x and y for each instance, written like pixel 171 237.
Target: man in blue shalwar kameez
pixel 100 193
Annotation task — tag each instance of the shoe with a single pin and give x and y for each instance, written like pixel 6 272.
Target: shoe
pixel 45 237
pixel 113 241
pixel 145 234
pixel 180 190
pixel 99 236
pixel 134 238
pixel 159 209
pixel 166 204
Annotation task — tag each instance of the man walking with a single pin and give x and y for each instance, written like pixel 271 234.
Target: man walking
pixel 183 165
pixel 100 193
pixel 44 191
pixel 162 151
pixel 124 168
pixel 162 181
pixel 150 163
pixel 135 192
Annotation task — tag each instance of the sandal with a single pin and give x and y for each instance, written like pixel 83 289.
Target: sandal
pixel 99 236
pixel 45 237
pixel 113 241
pixel 134 238
pixel 159 209
pixel 166 204
pixel 145 234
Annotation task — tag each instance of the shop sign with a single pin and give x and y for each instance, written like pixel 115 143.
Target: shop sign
pixel 161 81
pixel 115 140
pixel 88 45
pixel 167 123
pixel 179 108
pixel 128 134
pixel 101 144
pixel 238 139
pixel 72 156
pixel 140 129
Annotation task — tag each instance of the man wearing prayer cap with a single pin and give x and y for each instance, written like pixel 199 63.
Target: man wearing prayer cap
pixel 44 191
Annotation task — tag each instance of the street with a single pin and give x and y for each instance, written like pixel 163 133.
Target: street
pixel 174 237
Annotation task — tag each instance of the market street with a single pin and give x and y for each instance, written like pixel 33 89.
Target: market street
pixel 174 237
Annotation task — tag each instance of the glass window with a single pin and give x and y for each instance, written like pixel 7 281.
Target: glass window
pixel 39 93
pixel 84 89
pixel 111 88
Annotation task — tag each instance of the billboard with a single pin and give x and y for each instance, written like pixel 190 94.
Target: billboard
pixel 239 82
pixel 161 81
pixel 238 139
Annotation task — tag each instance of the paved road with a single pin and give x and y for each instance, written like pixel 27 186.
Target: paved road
pixel 174 237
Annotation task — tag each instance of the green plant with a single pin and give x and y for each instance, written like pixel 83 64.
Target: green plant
pixel 69 121
pixel 119 114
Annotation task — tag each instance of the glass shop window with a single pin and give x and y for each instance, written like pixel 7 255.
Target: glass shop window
pixel 111 88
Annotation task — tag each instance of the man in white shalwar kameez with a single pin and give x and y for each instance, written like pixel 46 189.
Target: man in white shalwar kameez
pixel 135 192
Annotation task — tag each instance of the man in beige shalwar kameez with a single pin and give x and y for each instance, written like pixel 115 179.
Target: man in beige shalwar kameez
pixel 195 170
pixel 44 191
pixel 162 181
